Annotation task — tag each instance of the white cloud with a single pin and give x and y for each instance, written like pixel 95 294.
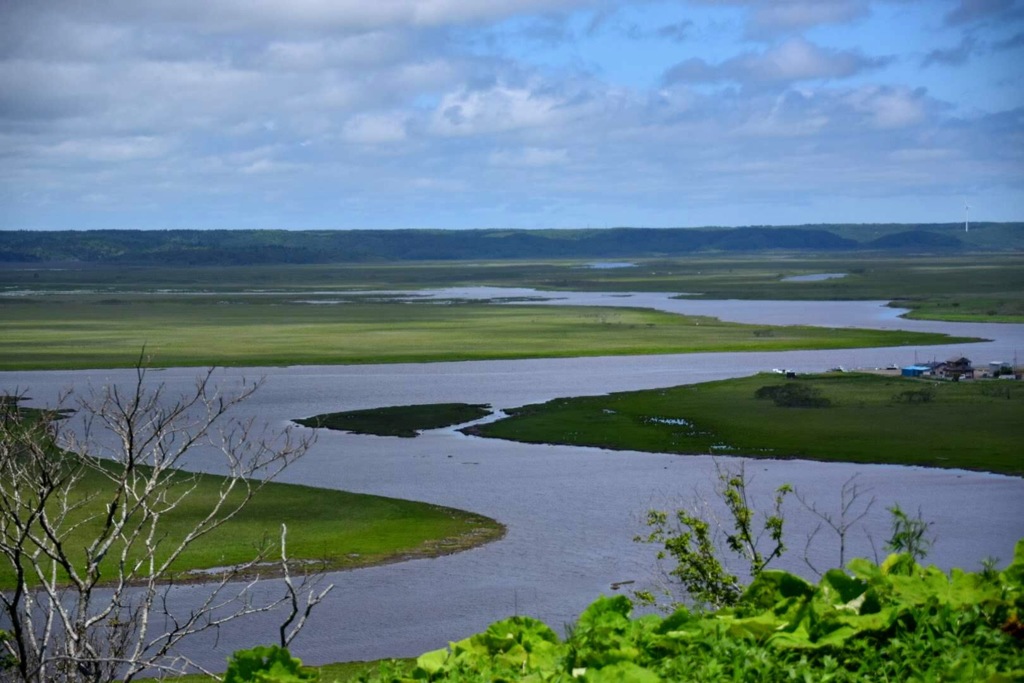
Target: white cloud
pixel 265 166
pixel 323 15
pixel 529 157
pixel 364 49
pixel 439 184
pixel 418 76
pixel 500 108
pixel 371 129
pixel 771 17
pixel 795 59
pixel 889 107
pixel 109 149
pixel 803 14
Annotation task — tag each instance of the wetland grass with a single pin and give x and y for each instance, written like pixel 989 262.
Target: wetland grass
pixel 970 425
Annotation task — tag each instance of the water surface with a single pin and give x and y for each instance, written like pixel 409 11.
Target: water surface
pixel 814 277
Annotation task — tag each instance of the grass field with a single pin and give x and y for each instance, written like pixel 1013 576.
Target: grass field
pixel 92 332
pixel 335 529
pixel 970 425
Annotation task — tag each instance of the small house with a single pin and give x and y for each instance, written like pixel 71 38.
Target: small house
pixel 955 368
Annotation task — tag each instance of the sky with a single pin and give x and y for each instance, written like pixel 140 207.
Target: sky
pixel 343 114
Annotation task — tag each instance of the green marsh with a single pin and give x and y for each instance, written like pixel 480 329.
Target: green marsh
pixel 404 421
pixel 870 419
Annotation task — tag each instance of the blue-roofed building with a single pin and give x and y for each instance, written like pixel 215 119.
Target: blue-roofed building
pixel 915 370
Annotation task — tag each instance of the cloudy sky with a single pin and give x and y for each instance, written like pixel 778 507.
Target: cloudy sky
pixel 508 113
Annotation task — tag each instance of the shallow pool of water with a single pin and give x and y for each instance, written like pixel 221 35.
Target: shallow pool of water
pixel 814 277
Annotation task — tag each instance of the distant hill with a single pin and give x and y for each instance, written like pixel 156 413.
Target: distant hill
pixel 915 240
pixel 249 247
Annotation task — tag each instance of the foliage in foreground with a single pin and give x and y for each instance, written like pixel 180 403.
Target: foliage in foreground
pixel 894 621
pixel 271 664
pixel 897 621
pixel 691 544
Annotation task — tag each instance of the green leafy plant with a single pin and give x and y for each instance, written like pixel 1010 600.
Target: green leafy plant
pixel 891 621
pixel 7 661
pixel 909 534
pixel 272 664
pixel 690 541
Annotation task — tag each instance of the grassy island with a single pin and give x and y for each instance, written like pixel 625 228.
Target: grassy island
pixel 848 417
pixel 328 529
pixel 405 421
pixel 332 529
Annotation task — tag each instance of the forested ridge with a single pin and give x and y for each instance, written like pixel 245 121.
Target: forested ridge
pixel 242 247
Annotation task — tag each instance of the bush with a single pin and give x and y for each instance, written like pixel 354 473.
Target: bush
pixel 271 664
pixel 793 396
pixel 924 395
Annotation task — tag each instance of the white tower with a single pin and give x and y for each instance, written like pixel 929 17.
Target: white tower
pixel 967 215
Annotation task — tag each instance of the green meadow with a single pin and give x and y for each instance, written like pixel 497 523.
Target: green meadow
pixel 864 418
pixel 90 331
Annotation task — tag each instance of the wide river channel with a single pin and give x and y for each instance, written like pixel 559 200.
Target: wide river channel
pixel 572 512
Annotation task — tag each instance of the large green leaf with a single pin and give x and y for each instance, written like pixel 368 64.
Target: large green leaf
pixel 621 672
pixel 771 586
pixel 839 588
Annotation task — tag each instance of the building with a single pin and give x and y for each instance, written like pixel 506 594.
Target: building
pixel 955 368
pixel 915 371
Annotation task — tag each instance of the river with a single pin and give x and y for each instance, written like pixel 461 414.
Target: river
pixel 571 512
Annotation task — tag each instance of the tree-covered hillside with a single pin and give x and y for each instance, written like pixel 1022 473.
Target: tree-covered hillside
pixel 245 247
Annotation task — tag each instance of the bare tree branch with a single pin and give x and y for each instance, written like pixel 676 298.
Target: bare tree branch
pixel 851 496
pixel 90 581
pixel 297 615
